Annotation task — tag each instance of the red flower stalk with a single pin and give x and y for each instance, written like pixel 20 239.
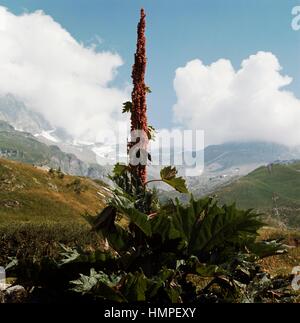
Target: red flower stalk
pixel 139 106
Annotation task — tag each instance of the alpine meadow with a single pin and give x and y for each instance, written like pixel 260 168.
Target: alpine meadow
pixel 179 186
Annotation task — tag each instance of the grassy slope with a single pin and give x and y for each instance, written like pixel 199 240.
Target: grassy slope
pixel 29 149
pixel 32 195
pixel 257 190
pixel 48 211
pixel 25 148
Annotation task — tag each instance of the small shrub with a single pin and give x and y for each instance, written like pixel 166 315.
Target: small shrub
pixel 60 174
pixel 51 172
pixel 56 173
pixel 77 186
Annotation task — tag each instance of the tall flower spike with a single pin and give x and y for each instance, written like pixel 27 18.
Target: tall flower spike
pixel 138 96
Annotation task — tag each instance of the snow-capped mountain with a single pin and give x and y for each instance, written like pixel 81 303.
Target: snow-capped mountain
pixel 222 163
pixel 15 112
pixel 22 118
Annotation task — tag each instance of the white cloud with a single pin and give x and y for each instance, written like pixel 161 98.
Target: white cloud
pixel 43 65
pixel 248 104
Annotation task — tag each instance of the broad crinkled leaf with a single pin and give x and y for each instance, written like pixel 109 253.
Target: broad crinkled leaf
pixel 168 175
pixel 105 224
pixel 163 225
pixel 99 285
pixel 223 226
pixel 69 255
pixel 203 226
pixel 134 287
pixel 85 283
pixel 202 269
pixel 126 206
pixel 267 248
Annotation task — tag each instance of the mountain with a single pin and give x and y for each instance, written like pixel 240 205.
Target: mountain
pixel 272 189
pixel 245 155
pixel 20 117
pixel 32 195
pixel 24 147
pixel 45 144
pixel 227 162
pixel 17 114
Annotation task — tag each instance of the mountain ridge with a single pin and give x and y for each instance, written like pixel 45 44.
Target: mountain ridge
pixel 273 190
pixel 24 147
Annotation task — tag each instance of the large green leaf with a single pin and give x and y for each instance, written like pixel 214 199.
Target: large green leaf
pixel 126 206
pixel 163 225
pixel 99 285
pixel 105 225
pixel 202 269
pixel 85 283
pixel 164 281
pixel 169 176
pixel 167 281
pixel 186 218
pixel 134 287
pixel 204 227
pixel 223 226
pixel 177 222
pixel 267 248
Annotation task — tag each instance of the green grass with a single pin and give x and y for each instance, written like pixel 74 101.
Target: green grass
pixel 28 149
pixel 39 210
pixel 33 240
pixel 258 189
pixel 28 194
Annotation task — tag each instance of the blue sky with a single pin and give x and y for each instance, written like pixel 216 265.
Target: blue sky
pixel 177 32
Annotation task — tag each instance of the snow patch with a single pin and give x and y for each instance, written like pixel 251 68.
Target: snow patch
pixel 47 135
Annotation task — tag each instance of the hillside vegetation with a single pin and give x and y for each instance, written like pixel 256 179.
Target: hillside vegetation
pixel 273 190
pixel 28 194
pixel 39 210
